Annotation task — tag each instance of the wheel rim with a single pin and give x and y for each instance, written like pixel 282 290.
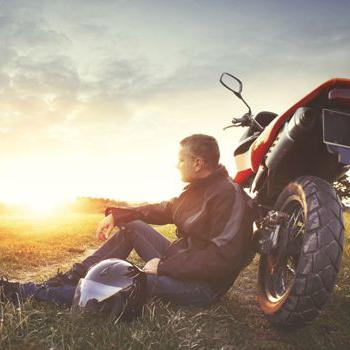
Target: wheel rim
pixel 280 267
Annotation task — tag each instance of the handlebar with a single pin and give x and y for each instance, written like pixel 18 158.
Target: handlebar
pixel 245 120
pixel 242 121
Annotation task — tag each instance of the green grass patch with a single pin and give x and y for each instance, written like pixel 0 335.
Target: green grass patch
pixel 28 245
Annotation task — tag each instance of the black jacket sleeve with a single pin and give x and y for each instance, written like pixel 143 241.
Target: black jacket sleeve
pixel 211 262
pixel 158 214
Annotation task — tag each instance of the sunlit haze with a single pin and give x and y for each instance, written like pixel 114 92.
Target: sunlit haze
pixel 96 95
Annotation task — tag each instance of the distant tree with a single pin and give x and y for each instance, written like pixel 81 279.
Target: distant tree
pixel 96 205
pixel 342 186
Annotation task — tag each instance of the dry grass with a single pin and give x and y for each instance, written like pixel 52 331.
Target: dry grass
pixel 35 248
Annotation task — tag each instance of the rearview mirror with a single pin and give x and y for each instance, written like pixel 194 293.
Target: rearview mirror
pixel 232 83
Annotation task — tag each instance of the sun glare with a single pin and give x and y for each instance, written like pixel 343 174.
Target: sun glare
pixel 40 204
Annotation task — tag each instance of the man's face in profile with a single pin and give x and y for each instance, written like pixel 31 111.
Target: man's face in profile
pixel 187 165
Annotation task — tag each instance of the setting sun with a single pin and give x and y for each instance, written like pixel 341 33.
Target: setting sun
pixel 40 204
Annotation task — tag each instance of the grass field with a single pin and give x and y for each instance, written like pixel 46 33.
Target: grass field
pixel 33 249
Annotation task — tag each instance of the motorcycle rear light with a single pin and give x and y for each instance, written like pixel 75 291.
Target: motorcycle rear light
pixel 340 96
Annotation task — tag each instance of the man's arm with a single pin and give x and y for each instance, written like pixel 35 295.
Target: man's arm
pixel 158 214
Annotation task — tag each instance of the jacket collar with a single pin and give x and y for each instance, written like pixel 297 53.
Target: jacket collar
pixel 220 172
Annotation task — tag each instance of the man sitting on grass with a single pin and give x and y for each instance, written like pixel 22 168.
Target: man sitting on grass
pixel 214 226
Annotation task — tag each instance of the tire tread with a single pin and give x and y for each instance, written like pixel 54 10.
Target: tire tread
pixel 317 269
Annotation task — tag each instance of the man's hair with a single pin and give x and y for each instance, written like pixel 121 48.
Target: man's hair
pixel 205 147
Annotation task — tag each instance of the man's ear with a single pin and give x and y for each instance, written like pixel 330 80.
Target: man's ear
pixel 199 164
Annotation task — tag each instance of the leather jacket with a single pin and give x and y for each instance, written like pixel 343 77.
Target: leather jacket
pixel 213 217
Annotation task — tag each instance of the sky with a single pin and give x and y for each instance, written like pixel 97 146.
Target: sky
pixel 96 95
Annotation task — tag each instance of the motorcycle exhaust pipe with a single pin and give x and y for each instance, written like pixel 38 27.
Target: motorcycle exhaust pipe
pixel 296 129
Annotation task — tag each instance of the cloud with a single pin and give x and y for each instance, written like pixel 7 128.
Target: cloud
pixel 44 100
pixel 78 75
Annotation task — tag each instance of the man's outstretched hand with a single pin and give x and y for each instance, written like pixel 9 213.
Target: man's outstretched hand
pixel 151 266
pixel 105 228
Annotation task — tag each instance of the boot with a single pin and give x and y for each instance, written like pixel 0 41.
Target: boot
pixel 70 277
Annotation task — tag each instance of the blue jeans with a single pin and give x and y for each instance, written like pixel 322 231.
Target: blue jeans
pixel 148 244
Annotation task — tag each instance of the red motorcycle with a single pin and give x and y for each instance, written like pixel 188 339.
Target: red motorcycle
pixel 289 162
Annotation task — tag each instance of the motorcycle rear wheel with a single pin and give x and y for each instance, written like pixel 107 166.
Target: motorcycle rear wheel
pixel 296 280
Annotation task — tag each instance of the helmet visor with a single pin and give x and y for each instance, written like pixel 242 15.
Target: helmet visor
pixel 91 291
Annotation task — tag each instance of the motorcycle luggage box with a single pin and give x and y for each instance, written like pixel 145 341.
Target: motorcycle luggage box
pixel 336 133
